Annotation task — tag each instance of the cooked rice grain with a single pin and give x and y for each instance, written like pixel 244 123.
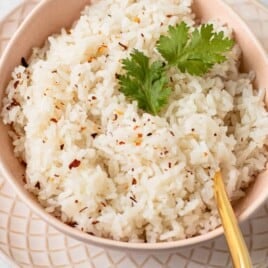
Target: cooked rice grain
pixel 106 167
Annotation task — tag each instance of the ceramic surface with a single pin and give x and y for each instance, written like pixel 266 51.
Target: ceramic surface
pixel 263 2
pixel 32 243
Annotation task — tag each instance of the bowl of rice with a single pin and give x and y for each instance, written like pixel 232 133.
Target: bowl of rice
pixel 105 167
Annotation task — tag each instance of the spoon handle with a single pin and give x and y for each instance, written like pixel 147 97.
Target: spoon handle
pixel 233 235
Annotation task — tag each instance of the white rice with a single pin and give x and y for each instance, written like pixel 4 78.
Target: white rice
pixel 99 163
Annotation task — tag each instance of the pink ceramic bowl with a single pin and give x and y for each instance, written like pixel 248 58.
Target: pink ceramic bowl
pixel 48 18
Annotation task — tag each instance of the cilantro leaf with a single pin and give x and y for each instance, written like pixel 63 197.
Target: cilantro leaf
pixel 194 53
pixel 147 83
pixel 169 47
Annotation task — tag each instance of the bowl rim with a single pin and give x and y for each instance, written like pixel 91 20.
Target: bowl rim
pixel 104 242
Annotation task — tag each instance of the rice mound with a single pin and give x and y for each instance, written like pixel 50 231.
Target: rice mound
pixel 101 165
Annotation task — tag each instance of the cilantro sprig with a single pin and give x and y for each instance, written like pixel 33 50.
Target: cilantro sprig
pixel 195 53
pixel 147 83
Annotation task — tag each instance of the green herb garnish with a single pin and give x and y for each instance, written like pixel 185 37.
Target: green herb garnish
pixel 195 53
pixel 147 83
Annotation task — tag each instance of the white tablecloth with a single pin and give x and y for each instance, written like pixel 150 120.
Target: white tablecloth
pixel 265 2
pixel 5 7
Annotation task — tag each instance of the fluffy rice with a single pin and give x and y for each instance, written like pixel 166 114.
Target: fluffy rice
pixel 103 166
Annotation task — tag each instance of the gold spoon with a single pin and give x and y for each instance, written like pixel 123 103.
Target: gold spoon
pixel 233 235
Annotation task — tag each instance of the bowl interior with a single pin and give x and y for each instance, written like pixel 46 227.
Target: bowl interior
pixel 253 58
pixel 34 31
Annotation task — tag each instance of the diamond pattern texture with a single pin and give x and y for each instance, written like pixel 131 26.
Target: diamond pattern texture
pixel 29 242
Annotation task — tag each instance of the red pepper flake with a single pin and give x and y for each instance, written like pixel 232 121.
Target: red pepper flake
pixel 140 135
pixel 12 104
pixel 37 185
pixel 172 133
pixel 136 19
pixel 138 143
pixel 121 143
pixel 93 97
pixel 94 135
pixel 72 223
pixel 254 175
pixel 90 233
pixel 133 199
pixel 54 120
pixel 166 152
pixel 83 209
pixel 74 164
pixel 169 164
pixel 62 146
pixel 76 201
pixel 123 46
pixel 16 84
pixel 169 15
pixel 102 50
pixel 90 59
pixel 95 222
pixel 24 62
pixel 134 181
pixel 207 209
pixel 115 117
pixel 24 163
pixel 103 204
